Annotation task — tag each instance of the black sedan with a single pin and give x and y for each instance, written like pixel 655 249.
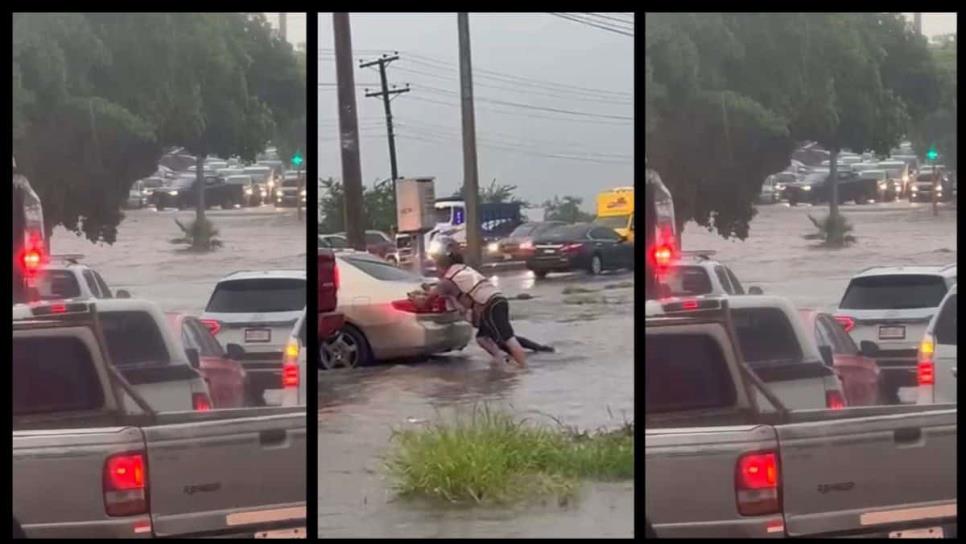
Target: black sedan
pixel 582 246
pixel 519 244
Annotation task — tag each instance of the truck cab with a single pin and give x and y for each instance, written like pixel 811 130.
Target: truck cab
pixel 615 209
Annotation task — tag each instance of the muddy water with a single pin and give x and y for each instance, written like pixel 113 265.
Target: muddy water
pixel 588 382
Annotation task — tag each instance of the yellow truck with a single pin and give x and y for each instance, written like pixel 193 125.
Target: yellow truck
pixel 615 209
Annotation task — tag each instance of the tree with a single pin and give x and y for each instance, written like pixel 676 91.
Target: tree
pixel 566 209
pixel 331 206
pixel 496 194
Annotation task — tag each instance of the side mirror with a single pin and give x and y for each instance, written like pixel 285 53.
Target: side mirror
pixel 234 351
pixel 193 357
pixel 868 348
pixel 755 290
pixel 827 357
pixel 122 293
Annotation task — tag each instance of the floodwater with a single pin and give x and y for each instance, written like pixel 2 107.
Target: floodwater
pixel 588 383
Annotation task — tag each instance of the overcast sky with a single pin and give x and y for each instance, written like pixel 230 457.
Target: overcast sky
pixel 936 23
pixel 295 24
pixel 585 73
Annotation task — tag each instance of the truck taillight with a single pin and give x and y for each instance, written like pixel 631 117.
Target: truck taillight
pixel 125 484
pixel 201 402
pixel 834 400
pixel 926 373
pixel 213 325
pixel 847 322
pixel 290 375
pixel 757 483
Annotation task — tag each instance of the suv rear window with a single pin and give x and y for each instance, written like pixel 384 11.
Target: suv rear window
pixel 258 295
pixel 946 323
pixel 894 292
pixel 133 338
pixel 53 374
pixel 58 284
pixel 383 271
pixel 689 281
pixel 765 334
pixel 685 372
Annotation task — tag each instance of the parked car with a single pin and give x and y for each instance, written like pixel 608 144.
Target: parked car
pixel 695 274
pixel 144 352
pixel 899 177
pixel 381 322
pixel 65 278
pixel 854 366
pixel 256 310
pixel 581 246
pixel 92 457
pixel 253 194
pixel 223 373
pixel 892 306
pixel 936 359
pixel 794 473
pixel 519 244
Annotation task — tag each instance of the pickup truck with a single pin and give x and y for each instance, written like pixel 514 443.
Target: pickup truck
pixel 330 321
pixel 716 465
pixel 86 467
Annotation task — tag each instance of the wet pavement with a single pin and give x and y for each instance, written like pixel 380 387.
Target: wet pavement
pixel 588 382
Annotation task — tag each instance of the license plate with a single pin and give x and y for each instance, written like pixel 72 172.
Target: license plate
pixel 892 333
pixel 258 335
pixel 547 251
pixel 283 533
pixel 931 532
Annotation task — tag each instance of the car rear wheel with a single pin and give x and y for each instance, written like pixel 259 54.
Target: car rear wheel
pixel 596 265
pixel 345 349
pixel 540 274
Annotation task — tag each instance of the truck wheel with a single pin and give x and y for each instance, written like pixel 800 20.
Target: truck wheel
pixel 596 265
pixel 159 206
pixel 540 274
pixel 227 204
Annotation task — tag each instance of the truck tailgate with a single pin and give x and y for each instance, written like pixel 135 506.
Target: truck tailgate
pixel 869 473
pixel 227 475
pixel 690 481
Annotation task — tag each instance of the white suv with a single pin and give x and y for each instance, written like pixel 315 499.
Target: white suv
pixel 257 310
pixel 936 361
pixel 66 279
pixel 892 307
pixel 696 274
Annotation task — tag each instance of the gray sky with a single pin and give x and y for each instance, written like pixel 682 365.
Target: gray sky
pixel 296 26
pixel 936 23
pixel 517 145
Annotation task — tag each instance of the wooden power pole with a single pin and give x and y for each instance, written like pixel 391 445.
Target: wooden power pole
pixel 348 133
pixel 471 186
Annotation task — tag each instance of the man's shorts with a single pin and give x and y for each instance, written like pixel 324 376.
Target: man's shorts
pixel 495 320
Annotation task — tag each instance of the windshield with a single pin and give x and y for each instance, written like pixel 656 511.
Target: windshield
pixel 614 221
pixel 258 295
pixel 524 230
pixel 290 183
pixel 443 215
pixel 816 178
pixel 894 292
pixel 152 183
pixel 766 335
pixel 567 233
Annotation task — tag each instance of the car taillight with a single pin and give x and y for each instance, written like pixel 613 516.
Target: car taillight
pixel 213 325
pixel 571 248
pixel 335 275
pixel 436 306
pixel 125 484
pixel 847 322
pixel 834 400
pixel 526 245
pixel 201 402
pixel 925 367
pixel 290 375
pixel 757 481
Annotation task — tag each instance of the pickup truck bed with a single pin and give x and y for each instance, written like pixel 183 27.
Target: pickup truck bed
pixel 723 468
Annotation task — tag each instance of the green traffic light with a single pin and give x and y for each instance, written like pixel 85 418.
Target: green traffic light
pixel 932 154
pixel 297 159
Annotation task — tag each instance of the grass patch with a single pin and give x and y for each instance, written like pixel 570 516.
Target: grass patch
pixel 490 457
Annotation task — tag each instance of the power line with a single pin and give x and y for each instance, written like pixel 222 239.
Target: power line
pixel 588 22
pixel 611 18
pixel 448 92
pixel 517 113
pixel 436 141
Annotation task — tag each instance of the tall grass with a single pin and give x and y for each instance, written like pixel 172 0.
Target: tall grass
pixel 490 457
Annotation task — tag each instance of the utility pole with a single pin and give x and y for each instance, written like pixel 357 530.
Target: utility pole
pixel 385 94
pixel 283 25
pixel 917 21
pixel 471 187
pixel 348 133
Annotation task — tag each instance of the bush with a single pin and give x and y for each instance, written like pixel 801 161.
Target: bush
pixel 832 231
pixel 200 236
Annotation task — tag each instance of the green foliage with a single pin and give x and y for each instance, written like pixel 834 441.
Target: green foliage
pixel 496 194
pixel 379 212
pixel 97 96
pixel 491 457
pixel 566 209
pixel 730 95
pixel 833 231
pixel 200 235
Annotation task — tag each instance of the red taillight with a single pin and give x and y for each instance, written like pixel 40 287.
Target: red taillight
pixel 926 373
pixel 847 322
pixel 201 402
pixel 435 306
pixel 290 375
pixel 32 259
pixel 125 484
pixel 335 275
pixel 571 248
pixel 689 304
pixel 757 483
pixel 58 308
pixel 213 325
pixel 834 400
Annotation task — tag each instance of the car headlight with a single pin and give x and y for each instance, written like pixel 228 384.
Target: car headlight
pixel 248 191
pixel 271 184
pixel 493 247
pixel 434 247
pixel 263 193
pixel 303 192
pixel 905 179
pixel 882 185
pixel 779 187
pixel 807 188
pixel 173 193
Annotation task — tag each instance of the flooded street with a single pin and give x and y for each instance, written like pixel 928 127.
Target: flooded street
pixel 588 383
